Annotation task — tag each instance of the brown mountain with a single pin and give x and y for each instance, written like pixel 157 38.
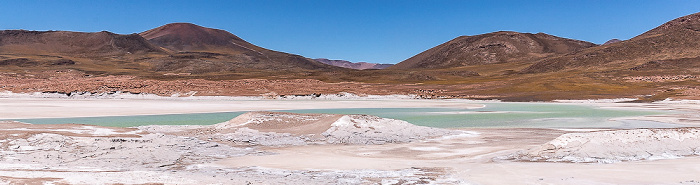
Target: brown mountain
pixel 73 43
pixel 179 48
pixel 220 50
pixel 675 40
pixel 353 65
pixel 663 62
pixel 491 48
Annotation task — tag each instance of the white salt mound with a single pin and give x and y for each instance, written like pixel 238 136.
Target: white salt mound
pixel 616 146
pixel 278 128
pixel 364 129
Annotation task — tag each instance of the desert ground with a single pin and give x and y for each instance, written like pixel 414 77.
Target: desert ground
pixel 284 148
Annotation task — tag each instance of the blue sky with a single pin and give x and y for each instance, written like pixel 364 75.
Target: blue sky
pixel 380 31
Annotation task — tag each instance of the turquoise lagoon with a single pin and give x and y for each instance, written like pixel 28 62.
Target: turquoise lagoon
pixel 493 115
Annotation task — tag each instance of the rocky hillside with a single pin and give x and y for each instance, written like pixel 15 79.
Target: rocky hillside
pixel 352 65
pixel 492 48
pixel 678 39
pixel 79 44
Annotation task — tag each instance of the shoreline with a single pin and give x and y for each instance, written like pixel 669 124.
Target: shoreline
pixel 14 108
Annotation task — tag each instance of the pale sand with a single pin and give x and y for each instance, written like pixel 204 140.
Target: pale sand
pixel 29 108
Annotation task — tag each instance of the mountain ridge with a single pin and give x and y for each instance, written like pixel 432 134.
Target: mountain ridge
pixel 660 63
pixel 73 43
pixel 491 48
pixel 352 65
pixel 233 51
pixel 675 39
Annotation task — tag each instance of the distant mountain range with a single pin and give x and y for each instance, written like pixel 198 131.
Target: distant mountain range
pixel 176 47
pixel 662 62
pixel 352 65
pixel 612 41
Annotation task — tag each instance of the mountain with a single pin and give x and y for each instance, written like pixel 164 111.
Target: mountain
pixel 180 48
pixel 73 43
pixel 352 65
pixel 187 37
pixel 660 63
pixel 223 51
pixel 612 41
pixel 678 39
pixel 491 48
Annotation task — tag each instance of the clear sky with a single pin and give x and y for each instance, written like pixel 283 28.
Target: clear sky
pixel 379 31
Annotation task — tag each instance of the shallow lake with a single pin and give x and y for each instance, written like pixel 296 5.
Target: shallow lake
pixel 501 115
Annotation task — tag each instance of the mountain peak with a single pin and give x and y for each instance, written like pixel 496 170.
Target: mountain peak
pixel 188 37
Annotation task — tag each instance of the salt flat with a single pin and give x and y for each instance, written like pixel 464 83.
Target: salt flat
pixel 273 148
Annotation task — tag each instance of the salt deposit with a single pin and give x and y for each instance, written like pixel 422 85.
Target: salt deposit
pixel 280 129
pixel 80 154
pixel 364 129
pixel 617 145
pixel 617 100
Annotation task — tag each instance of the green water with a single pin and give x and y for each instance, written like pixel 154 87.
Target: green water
pixel 131 121
pixel 511 115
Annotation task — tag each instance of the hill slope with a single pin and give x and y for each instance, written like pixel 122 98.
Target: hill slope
pixel 490 48
pixel 674 40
